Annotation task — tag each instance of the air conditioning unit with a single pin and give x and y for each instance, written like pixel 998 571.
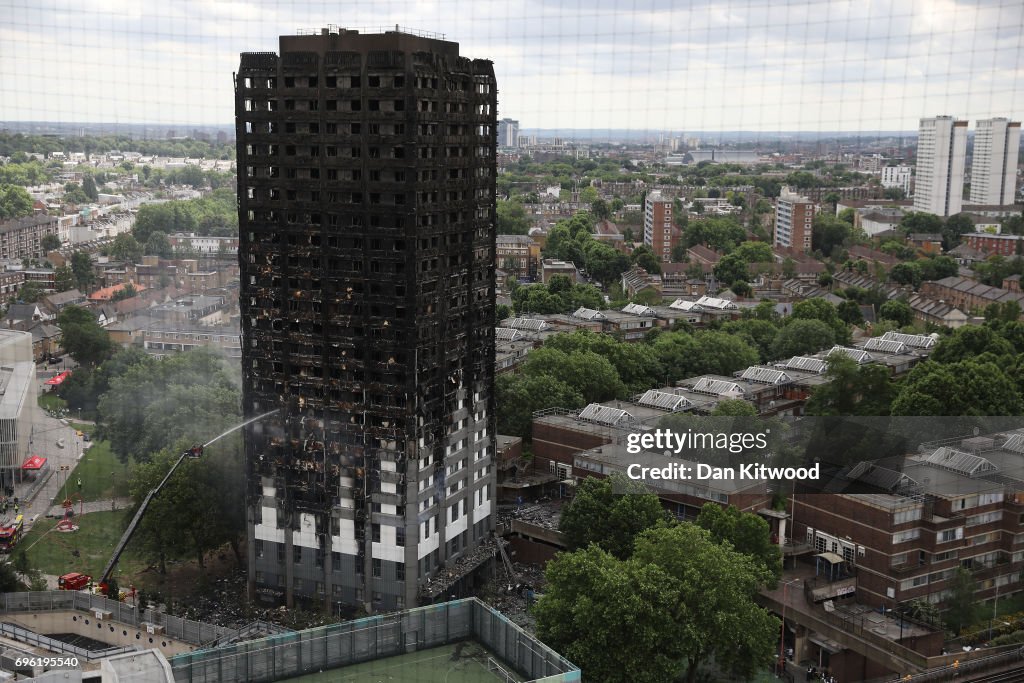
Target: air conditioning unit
pixel 102 614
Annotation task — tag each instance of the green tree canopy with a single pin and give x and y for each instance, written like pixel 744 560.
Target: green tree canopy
pixel 158 244
pixel 519 396
pixel 800 337
pixel 82 337
pixel 610 512
pixel 967 387
pixel 852 389
pixel 15 202
pixel 747 532
pixel 126 248
pixel 898 311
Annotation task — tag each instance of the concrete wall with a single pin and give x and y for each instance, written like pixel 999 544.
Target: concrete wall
pixel 114 633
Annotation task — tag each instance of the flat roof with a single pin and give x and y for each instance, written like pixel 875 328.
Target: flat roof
pixel 464 662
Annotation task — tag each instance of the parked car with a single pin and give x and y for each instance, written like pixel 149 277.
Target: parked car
pixel 54 360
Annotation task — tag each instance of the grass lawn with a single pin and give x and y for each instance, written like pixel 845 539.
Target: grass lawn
pixel 95 540
pixel 48 401
pixel 103 475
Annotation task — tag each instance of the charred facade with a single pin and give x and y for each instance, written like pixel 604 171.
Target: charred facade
pixel 366 184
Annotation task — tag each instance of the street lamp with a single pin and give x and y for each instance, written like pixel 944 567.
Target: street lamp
pixel 782 635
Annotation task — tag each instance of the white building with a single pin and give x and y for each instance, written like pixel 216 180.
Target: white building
pixel 994 168
pixel 941 154
pixel 508 133
pixel 17 402
pixel 897 176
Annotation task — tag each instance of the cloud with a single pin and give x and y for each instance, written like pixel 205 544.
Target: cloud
pixel 706 65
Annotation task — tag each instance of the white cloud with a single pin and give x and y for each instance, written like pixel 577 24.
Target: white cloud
pixel 711 64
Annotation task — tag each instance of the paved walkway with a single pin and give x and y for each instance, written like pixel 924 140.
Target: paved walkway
pixel 94 506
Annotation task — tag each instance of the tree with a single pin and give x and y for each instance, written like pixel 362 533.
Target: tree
pixel 63 279
pixel 962 605
pixel 49 243
pixel 801 337
pixel 519 396
pixel 614 619
pixel 731 268
pixel 970 342
pixel 512 218
pixel 82 337
pixel 741 288
pixel 592 375
pixel 920 222
pixel 722 234
pixel 30 292
pixel 898 311
pixel 15 202
pixel 746 532
pixel 158 244
pixel 502 312
pixel 645 258
pixel 894 193
pixel 849 312
pixel 955 227
pixel 126 248
pixel 852 389
pixel 599 208
pixel 906 274
pixel 609 513
pixel 89 188
pixel 126 292
pixel 678 254
pixel 716 615
pixel 194 512
pixel 81 266
pixel 829 233
pixel 605 263
pixel 820 309
pixel 967 387
pixel 754 252
pixel 734 407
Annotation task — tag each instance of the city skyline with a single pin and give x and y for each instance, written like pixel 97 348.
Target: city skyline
pixel 713 66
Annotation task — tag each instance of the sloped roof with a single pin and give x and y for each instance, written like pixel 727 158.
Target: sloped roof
pixel 917 341
pixel 712 302
pixel 717 387
pixel 505 334
pixel 806 363
pixel 526 324
pixel 762 375
pixel 960 462
pixel 638 309
pixel 665 400
pixel 588 314
pixel 885 345
pixel 595 412
pixel 857 355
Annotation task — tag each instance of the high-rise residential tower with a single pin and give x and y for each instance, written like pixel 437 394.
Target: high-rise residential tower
pixel 994 165
pixel 508 133
pixel 794 220
pixel 941 152
pixel 366 218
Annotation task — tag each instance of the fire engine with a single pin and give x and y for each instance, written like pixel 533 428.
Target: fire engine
pixel 11 534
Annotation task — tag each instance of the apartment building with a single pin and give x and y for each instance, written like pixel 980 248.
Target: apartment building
pixel 794 221
pixel 941 154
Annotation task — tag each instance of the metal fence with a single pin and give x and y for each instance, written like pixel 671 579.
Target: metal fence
pixel 329 647
pixel 962 668
pixel 185 630
pixel 24 635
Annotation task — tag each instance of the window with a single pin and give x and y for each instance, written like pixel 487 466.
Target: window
pixel 949 535
pixel 904 536
pixel 297 554
pixel 399 572
pixel 377 567
pixel 259 548
pixel 375 531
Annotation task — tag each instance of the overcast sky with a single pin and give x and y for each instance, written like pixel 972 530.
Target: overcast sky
pixel 758 65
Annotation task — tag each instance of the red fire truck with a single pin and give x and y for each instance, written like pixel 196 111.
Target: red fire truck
pixel 11 534
pixel 73 582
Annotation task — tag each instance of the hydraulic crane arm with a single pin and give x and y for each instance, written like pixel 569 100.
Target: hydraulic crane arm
pixel 193 452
